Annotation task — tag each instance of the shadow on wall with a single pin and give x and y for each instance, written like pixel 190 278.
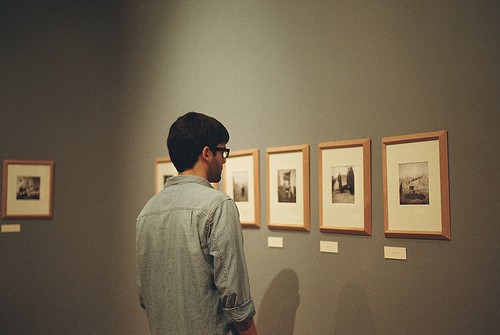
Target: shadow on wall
pixel 279 305
pixel 353 314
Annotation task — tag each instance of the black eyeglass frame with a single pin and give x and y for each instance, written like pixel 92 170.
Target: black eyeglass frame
pixel 225 151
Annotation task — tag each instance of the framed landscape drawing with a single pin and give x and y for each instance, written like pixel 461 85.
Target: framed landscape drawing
pixel 345 187
pixel 241 182
pixel 164 169
pixel 416 186
pixel 27 188
pixel 288 187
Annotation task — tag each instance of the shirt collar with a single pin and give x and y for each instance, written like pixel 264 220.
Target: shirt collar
pixel 187 179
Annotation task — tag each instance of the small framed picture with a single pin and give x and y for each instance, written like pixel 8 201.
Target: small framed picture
pixel 345 187
pixel 241 182
pixel 164 169
pixel 416 186
pixel 27 188
pixel 288 187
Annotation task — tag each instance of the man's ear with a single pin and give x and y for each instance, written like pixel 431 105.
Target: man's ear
pixel 205 153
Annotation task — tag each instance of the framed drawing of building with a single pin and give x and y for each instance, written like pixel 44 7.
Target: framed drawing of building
pixel 416 186
pixel 288 187
pixel 345 187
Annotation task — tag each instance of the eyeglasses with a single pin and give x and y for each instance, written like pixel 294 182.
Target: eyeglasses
pixel 225 151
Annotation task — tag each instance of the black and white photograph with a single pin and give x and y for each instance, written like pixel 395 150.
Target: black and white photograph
pixel 342 185
pixel 28 188
pixel 241 181
pixel 240 186
pixel 287 186
pixel 414 183
pixel 416 186
pixel 345 186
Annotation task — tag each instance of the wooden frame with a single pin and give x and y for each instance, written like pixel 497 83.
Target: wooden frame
pixel 416 186
pixel 27 189
pixel 164 168
pixel 288 187
pixel 241 181
pixel 345 187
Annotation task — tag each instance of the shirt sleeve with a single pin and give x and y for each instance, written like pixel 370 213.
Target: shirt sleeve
pixel 230 269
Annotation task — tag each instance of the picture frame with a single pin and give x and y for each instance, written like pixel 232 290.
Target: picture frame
pixel 241 181
pixel 164 169
pixel 416 186
pixel 27 189
pixel 287 178
pixel 345 187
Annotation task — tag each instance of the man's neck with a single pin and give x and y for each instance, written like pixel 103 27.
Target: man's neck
pixel 195 171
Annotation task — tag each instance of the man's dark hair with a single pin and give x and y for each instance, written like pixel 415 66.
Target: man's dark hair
pixel 189 134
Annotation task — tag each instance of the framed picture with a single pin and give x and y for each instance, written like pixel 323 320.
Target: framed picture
pixel 27 188
pixel 416 188
pixel 288 187
pixel 345 187
pixel 241 182
pixel 164 169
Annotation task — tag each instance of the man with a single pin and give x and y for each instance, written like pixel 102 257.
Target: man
pixel 192 272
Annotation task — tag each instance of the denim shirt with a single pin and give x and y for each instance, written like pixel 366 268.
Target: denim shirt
pixel 192 273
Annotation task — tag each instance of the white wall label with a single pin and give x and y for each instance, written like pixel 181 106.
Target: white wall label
pixel 11 228
pixel 275 242
pixel 328 246
pixel 395 253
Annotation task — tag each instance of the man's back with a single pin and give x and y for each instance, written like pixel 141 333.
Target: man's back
pixel 192 271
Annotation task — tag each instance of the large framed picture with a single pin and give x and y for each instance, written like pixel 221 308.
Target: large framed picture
pixel 27 188
pixel 345 187
pixel 164 169
pixel 416 186
pixel 288 187
pixel 241 182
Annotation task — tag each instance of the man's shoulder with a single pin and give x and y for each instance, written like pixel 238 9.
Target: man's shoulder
pixel 186 196
pixel 216 196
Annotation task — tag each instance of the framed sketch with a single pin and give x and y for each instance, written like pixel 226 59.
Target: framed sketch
pixel 27 188
pixel 416 187
pixel 345 187
pixel 241 182
pixel 164 169
pixel 288 187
